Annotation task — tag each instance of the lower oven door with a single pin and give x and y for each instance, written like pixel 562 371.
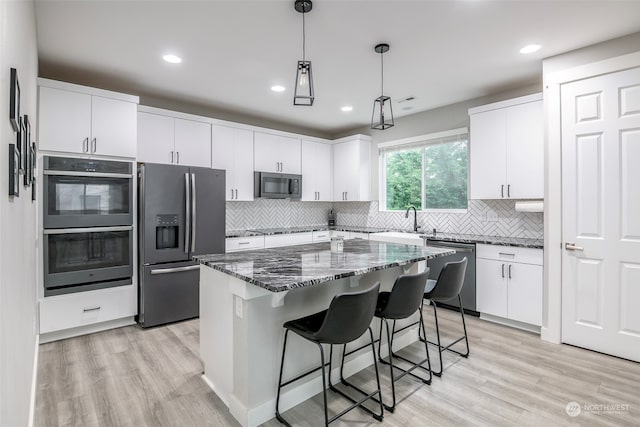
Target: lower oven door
pixel 82 259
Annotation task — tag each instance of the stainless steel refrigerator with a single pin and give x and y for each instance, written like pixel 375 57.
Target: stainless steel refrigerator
pixel 181 214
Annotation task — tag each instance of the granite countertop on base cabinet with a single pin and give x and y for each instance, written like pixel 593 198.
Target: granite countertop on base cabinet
pixel 291 267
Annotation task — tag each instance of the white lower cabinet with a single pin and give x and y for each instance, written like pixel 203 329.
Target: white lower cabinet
pixel 509 282
pixel 321 236
pixel 235 244
pixel 344 234
pixel 85 308
pixel 278 240
pixel 358 235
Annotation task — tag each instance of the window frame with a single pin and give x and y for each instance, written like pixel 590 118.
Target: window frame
pixel 420 141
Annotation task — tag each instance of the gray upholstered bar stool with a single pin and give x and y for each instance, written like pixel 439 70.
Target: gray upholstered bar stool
pixel 447 286
pixel 404 300
pixel 348 317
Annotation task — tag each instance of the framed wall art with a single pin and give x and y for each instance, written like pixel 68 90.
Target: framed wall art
pixel 25 151
pixel 14 171
pixel 14 101
pixel 19 145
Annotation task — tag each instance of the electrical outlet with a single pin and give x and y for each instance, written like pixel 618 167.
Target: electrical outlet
pixel 491 216
pixel 239 307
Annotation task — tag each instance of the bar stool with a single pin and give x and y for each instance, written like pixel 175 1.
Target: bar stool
pixel 403 301
pixel 447 286
pixel 348 317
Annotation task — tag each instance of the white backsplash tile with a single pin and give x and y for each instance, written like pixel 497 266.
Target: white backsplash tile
pixel 486 217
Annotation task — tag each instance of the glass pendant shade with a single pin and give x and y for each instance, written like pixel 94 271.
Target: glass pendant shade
pixel 303 94
pixel 382 116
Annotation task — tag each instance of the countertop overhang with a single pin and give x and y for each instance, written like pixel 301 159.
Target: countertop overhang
pixel 285 268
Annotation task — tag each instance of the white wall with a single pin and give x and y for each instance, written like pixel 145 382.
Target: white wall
pixel 17 221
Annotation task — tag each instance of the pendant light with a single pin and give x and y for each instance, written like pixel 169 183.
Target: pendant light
pixel 303 93
pixel 382 116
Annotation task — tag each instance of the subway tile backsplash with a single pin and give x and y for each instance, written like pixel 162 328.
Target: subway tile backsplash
pixel 486 217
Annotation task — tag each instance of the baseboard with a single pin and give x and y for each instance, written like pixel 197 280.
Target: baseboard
pixel 88 329
pixel 34 382
pixel 511 323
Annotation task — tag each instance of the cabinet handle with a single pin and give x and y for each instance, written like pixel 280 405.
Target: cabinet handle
pixel 277 166
pixel 509 190
pixel 236 194
pixel 510 271
pixel 177 157
pixel 243 243
pixel 172 157
pixel 503 271
pixel 86 310
pixel 85 145
pixel 232 194
pixel 502 190
pixel 346 195
pixel 94 144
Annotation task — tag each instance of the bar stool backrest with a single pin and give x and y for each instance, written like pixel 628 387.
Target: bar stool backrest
pixel 406 295
pixel 450 281
pixel 348 317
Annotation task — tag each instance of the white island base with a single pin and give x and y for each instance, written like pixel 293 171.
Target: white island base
pixel 241 338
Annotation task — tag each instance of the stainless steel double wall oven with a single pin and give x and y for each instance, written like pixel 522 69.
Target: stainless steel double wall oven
pixel 88 224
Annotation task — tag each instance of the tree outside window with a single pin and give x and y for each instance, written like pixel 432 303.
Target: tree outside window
pixel 428 176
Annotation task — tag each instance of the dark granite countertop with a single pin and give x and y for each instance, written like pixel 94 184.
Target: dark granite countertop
pixel 242 233
pixel 488 240
pixel 291 267
pixel 290 230
pixel 303 229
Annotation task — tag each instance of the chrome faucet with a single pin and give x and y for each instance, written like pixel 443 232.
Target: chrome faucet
pixel 415 217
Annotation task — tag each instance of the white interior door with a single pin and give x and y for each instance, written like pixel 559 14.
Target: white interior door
pixel 601 213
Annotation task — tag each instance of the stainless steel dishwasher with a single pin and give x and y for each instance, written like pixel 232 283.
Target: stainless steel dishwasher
pixel 468 293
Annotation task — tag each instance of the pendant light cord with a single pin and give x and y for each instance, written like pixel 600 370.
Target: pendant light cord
pixel 382 74
pixel 303 37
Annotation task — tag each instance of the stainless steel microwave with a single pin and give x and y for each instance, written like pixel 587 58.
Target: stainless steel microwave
pixel 277 185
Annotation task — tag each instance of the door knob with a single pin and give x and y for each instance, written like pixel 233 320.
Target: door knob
pixel 570 246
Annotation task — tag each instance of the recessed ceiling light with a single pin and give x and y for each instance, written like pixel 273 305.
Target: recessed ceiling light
pixel 277 88
pixel 173 59
pixel 530 48
pixel 347 108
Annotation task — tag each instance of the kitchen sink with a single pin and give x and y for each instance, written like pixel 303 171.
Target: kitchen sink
pixel 407 238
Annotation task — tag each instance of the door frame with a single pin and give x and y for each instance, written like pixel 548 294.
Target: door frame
pixel 552 291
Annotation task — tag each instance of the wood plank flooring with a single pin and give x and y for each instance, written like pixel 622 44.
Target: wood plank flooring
pixel 135 377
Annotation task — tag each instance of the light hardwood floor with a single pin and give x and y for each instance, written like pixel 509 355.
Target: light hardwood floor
pixel 135 377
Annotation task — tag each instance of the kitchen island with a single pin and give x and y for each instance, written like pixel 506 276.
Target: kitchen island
pixel 246 297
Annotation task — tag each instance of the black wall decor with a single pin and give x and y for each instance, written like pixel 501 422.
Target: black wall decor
pixel 33 171
pixel 14 171
pixel 14 101
pixel 19 144
pixel 25 150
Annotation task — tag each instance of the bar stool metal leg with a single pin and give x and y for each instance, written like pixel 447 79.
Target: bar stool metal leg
pixel 284 348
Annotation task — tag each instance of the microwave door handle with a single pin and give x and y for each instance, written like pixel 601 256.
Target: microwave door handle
pixel 187 213
pixel 193 212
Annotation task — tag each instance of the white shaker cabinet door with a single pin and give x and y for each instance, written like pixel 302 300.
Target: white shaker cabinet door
pixel 525 151
pixel 488 155
pixel 114 128
pixel 155 138
pixel 243 164
pixel 491 287
pixel 192 143
pixel 289 155
pixel 346 170
pixel 222 148
pixel 524 301
pixel 64 120
pixel 267 147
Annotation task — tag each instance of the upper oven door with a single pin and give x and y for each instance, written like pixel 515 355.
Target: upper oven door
pixel 87 199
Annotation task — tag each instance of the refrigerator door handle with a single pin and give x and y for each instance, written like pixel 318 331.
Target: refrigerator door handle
pixel 175 270
pixel 187 216
pixel 193 212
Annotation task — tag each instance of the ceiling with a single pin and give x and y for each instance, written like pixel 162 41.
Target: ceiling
pixel 442 52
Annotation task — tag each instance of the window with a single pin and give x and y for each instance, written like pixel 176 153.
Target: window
pixel 428 172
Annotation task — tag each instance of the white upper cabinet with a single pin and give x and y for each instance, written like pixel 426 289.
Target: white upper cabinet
pixel 352 169
pixel 172 140
pixel 274 153
pixel 507 149
pixel 79 119
pixel 233 152
pixel 316 171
